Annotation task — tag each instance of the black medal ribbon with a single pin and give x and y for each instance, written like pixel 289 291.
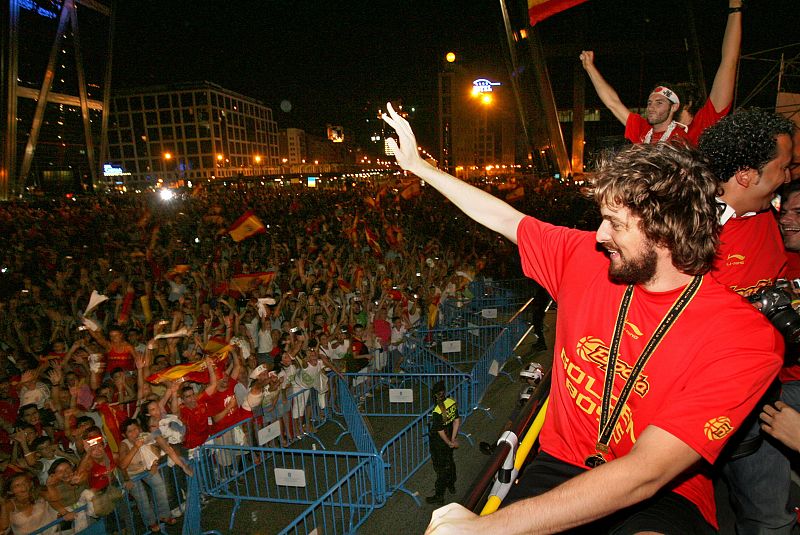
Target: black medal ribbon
pixel 609 418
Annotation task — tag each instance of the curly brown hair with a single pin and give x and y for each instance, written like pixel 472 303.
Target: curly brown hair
pixel 671 189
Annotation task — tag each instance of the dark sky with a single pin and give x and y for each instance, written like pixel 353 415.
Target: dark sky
pixel 334 60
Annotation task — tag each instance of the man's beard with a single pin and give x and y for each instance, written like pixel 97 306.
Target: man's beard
pixel 637 270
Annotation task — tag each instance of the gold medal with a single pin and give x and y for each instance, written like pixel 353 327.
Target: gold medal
pixel 595 460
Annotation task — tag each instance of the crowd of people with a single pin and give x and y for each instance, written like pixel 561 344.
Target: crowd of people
pixel 133 328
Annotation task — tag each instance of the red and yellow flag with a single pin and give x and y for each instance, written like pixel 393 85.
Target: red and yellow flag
pixel 244 282
pixel 411 191
pixel 195 371
pixel 372 241
pixel 246 226
pixel 344 285
pixel 538 10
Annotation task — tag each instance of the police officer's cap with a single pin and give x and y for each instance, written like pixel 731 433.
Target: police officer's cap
pixel 439 387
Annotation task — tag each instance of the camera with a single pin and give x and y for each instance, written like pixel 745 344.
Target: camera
pixel 776 304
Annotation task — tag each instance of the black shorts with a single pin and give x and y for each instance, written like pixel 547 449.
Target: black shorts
pixel 666 512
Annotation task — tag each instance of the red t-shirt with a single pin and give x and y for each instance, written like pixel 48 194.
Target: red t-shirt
pixel 100 474
pixel 699 384
pixel 196 421
pixel 792 265
pixel 637 127
pixel 383 331
pixel 705 117
pixel 217 402
pixel 750 253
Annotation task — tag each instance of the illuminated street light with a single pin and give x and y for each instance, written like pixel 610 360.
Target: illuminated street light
pixel 219 157
pixel 167 155
pixel 258 159
pixel 450 57
pixel 486 99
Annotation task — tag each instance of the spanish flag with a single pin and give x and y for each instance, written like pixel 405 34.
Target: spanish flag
pixel 538 10
pixel 433 310
pixel 195 371
pixel 112 417
pixel 244 282
pixel 372 241
pixel 344 285
pixel 411 191
pixel 246 226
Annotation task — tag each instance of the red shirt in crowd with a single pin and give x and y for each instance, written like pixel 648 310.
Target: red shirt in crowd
pixel 196 420
pixel 217 402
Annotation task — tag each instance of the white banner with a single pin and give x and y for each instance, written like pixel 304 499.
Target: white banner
pixel 401 395
pixel 290 478
pixel 489 313
pixel 269 433
pixel 451 346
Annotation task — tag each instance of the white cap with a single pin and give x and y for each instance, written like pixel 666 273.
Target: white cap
pixel 261 368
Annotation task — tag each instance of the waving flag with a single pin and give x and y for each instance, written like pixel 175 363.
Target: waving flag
pixel 245 282
pixel 246 226
pixel 195 371
pixel 538 10
pixel 372 241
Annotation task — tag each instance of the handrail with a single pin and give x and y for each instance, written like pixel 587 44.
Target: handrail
pixel 524 422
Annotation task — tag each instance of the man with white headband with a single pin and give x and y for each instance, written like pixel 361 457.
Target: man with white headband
pixel 668 116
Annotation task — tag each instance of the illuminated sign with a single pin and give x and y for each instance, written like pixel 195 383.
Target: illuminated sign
pixel 312 182
pixel 482 85
pixel 335 133
pixel 49 10
pixel 110 170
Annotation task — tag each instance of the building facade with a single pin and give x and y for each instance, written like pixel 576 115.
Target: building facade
pixel 476 122
pixel 292 146
pixel 55 71
pixel 190 132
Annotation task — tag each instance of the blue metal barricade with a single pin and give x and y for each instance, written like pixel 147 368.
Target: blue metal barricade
pixel 407 395
pixel 126 515
pixel 342 509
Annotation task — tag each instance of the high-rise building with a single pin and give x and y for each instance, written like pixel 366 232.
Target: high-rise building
pixel 189 131
pixel 292 146
pixel 55 87
pixel 476 121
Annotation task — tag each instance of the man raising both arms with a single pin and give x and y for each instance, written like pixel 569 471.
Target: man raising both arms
pixel 672 112
pixel 681 382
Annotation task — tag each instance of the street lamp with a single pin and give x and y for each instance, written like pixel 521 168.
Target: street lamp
pixel 167 156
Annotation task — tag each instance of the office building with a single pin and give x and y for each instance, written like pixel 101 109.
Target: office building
pixel 55 73
pixel 189 132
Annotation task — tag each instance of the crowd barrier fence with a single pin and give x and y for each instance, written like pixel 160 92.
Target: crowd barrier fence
pixel 342 508
pixel 253 460
pixel 126 517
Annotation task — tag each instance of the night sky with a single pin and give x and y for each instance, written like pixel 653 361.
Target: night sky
pixel 333 61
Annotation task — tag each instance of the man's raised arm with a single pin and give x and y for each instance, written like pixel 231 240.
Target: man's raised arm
pixel 484 208
pixel 721 94
pixel 604 90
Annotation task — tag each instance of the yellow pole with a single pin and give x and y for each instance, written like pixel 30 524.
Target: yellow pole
pixel 493 503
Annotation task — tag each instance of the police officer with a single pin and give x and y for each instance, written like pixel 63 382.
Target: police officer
pixel 445 422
